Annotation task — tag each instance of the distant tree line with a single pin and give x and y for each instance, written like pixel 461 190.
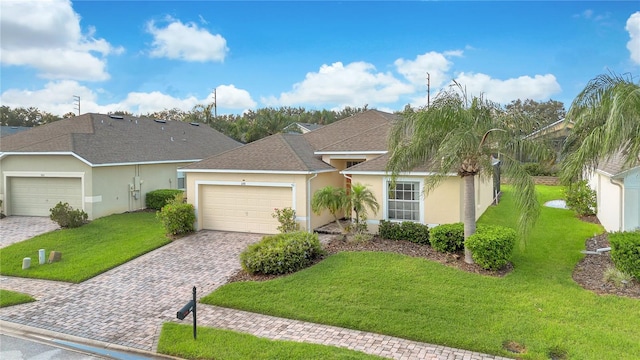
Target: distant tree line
pixel 256 124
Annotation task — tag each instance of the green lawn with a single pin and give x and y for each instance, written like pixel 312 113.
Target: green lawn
pixel 177 340
pixel 538 305
pixel 88 250
pixel 9 298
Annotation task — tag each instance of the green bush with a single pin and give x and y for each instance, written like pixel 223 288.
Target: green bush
pixel 177 217
pixel 447 237
pixel 281 253
pixel 491 246
pixel 66 216
pixel 287 219
pixel 406 230
pixel 157 199
pixel 625 252
pixel 581 198
pixel 537 169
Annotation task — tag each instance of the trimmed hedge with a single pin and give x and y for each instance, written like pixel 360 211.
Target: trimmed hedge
pixel 625 252
pixel 447 237
pixel 157 199
pixel 177 218
pixel 281 253
pixel 66 216
pixel 491 246
pixel 406 230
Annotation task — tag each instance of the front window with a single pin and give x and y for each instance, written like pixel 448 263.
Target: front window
pixel 181 180
pixel 404 201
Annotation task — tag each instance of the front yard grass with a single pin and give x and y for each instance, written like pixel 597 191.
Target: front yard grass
pixel 9 298
pixel 178 340
pixel 89 250
pixel 537 305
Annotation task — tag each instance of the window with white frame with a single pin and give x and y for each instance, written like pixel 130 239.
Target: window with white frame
pixel 181 184
pixel 404 201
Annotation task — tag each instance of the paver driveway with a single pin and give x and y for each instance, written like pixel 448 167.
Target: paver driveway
pixel 17 228
pixel 128 304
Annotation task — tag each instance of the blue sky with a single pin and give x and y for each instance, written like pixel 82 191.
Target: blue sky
pixel 146 56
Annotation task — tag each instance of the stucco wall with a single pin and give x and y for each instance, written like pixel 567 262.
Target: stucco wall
pixel 609 198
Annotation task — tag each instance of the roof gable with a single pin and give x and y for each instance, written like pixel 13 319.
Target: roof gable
pixel 348 128
pixel 103 139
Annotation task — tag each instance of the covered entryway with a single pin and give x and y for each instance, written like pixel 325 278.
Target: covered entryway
pixel 34 196
pixel 243 208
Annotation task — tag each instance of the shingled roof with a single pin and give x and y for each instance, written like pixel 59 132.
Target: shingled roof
pixel 615 165
pixel 103 139
pixel 279 152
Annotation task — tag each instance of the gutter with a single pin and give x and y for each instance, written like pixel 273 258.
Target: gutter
pixel 621 210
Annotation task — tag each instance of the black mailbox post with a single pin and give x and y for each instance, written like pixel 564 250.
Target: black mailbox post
pixel 189 308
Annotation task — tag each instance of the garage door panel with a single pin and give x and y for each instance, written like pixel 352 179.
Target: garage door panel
pixel 243 208
pixel 30 196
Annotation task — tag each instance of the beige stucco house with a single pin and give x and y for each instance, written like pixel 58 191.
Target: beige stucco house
pixel 102 164
pixel 618 194
pixel 238 190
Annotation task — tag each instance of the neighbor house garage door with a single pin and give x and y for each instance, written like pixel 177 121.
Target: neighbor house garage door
pixel 34 196
pixel 243 208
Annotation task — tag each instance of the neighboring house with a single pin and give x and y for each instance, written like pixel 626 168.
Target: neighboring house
pixel 555 133
pixel 302 128
pixel 238 190
pixel 618 194
pixel 102 164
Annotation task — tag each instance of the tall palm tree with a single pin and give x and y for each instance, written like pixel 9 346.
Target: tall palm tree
pixel 455 135
pixel 361 198
pixel 330 198
pixel 606 117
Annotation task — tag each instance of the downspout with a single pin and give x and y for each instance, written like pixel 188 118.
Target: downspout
pixel 350 210
pixel 621 186
pixel 309 201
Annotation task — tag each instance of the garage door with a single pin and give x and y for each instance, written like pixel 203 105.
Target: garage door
pixel 31 196
pixel 243 208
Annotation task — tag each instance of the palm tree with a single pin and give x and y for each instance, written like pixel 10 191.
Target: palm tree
pixel 455 135
pixel 330 198
pixel 606 117
pixel 361 198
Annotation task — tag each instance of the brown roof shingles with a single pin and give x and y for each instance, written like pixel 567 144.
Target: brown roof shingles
pixel 348 128
pixel 279 152
pixel 100 139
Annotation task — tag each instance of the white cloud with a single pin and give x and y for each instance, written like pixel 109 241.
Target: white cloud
pixel 434 63
pixel 46 35
pixel 56 97
pixel 633 27
pixel 355 84
pixel 186 42
pixel 538 87
pixel 230 97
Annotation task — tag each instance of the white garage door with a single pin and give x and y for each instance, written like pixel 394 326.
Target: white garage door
pixel 243 208
pixel 33 196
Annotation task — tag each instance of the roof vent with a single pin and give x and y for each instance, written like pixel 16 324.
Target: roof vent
pixel 195 124
pixel 117 117
pixel 160 121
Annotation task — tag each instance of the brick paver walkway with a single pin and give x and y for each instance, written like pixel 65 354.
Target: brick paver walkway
pixel 127 305
pixel 18 228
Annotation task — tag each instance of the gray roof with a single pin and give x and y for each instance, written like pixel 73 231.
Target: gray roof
pixel 103 139
pixel 615 165
pixel 349 128
pixel 279 152
pixel 10 130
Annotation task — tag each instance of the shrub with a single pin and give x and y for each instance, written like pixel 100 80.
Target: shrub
pixel 537 169
pixel 617 277
pixel 281 253
pixel 406 230
pixel 447 237
pixel 177 217
pixel 66 216
pixel 287 219
pixel 491 246
pixel 581 198
pixel 157 199
pixel 625 252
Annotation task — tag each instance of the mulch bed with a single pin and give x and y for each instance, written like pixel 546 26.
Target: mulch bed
pixel 589 272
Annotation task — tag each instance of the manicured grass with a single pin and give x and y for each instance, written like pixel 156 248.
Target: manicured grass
pixel 538 305
pixel 88 250
pixel 177 340
pixel 9 298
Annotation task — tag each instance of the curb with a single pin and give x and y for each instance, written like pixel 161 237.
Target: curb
pixel 50 337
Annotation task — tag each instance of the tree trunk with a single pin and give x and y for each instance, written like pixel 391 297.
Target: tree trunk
pixel 469 213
